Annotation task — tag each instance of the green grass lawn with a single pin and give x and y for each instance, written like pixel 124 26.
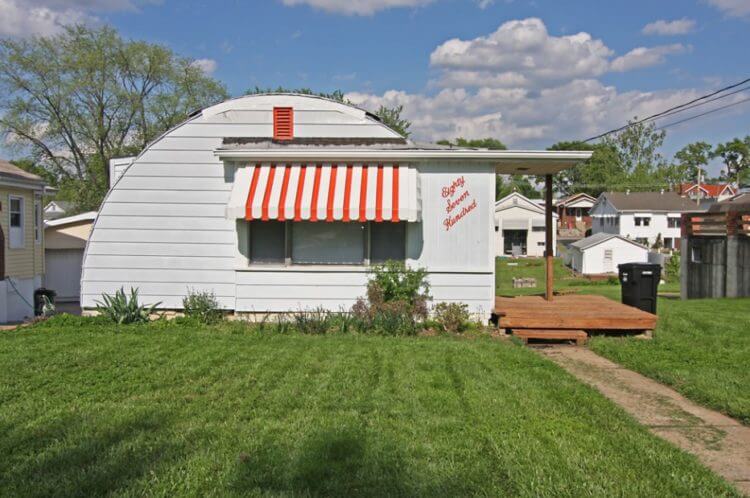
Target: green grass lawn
pixel 701 347
pixel 170 409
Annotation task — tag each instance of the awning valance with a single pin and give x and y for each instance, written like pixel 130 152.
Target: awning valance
pixel 324 192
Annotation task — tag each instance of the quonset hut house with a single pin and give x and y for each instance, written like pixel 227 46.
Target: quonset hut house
pixel 281 202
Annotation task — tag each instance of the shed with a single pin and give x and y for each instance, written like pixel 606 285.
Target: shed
pixel 602 252
pixel 282 202
pixel 520 226
pixel 63 252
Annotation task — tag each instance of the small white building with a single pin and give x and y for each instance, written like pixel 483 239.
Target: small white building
pixel 279 202
pixel 519 226
pixel 602 252
pixel 65 242
pixel 56 209
pixel 642 216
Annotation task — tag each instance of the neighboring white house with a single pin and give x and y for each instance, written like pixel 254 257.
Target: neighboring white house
pixel 65 242
pixel 117 167
pixel 279 202
pixel 602 252
pixel 641 216
pixel 56 209
pixel 519 227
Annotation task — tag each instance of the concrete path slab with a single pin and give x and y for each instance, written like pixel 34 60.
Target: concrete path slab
pixel 720 442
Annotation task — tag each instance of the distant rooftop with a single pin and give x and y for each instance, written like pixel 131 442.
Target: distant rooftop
pixel 12 172
pixel 651 201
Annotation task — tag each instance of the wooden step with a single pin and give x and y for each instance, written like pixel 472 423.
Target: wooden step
pixel 579 336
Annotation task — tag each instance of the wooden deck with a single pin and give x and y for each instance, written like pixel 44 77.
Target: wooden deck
pixel 570 312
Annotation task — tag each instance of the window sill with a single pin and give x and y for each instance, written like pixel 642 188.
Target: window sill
pixel 306 268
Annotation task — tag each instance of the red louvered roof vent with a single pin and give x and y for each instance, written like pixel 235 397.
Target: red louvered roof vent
pixel 283 123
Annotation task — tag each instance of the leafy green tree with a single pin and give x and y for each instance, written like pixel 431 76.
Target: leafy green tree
pixel 503 186
pixel 74 100
pixel 637 149
pixel 691 162
pixel 390 116
pixel 602 171
pixel 736 157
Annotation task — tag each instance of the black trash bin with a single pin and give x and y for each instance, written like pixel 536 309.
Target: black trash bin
pixel 39 299
pixel 640 284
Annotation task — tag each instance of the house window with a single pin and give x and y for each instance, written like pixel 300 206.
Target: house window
pixel 16 223
pixel 668 243
pixel 540 244
pixel 267 242
pixel 317 243
pixel 673 222
pixel 37 221
pixel 537 229
pixel 642 221
pixel 387 241
pixel 328 243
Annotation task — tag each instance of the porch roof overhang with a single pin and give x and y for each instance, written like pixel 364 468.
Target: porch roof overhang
pixel 522 162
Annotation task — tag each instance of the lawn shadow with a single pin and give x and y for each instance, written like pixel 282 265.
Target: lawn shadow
pixel 330 462
pixel 84 456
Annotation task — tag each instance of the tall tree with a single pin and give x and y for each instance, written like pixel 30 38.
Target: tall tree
pixel 75 100
pixel 691 162
pixel 390 116
pixel 637 149
pixel 736 157
pixel 603 171
pixel 504 184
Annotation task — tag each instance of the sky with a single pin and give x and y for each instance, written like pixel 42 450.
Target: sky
pixel 528 72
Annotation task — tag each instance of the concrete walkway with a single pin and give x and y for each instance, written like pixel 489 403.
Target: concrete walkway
pixel 720 442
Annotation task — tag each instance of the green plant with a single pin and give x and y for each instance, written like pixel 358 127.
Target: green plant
pixel 672 268
pixel 394 281
pixel 122 309
pixel 202 305
pixel 452 317
pixel 316 321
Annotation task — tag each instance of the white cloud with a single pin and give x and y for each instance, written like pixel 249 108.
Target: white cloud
pixel 27 20
pixel 208 66
pixel 357 7
pixel 522 118
pixel 528 88
pixel 733 8
pixel 21 18
pixel 669 28
pixel 525 49
pixel 483 4
pixel 646 57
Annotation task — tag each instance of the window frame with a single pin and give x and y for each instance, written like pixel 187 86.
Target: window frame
pixel 288 243
pixel 37 221
pixel 12 241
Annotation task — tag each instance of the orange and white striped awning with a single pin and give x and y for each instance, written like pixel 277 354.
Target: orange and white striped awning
pixel 324 192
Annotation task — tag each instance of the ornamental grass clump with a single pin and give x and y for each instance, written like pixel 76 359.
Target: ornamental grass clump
pixel 124 310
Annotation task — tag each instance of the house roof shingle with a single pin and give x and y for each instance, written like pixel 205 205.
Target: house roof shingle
pixel 711 190
pixel 10 171
pixel 650 201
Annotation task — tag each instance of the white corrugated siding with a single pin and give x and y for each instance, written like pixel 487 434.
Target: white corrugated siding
pixel 163 228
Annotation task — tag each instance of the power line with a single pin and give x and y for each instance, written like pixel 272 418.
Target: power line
pixel 670 110
pixel 704 113
pixel 706 102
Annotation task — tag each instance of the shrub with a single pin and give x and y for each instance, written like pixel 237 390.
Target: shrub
pixel 672 268
pixel 202 306
pixel 452 317
pixel 122 309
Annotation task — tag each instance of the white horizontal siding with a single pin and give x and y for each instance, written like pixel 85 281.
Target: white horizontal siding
pixel 160 249
pixel 166 236
pixel 181 183
pixel 157 296
pixel 197 170
pixel 210 224
pixel 163 210
pixel 169 196
pixel 101 261
pixel 220 130
pixel 163 276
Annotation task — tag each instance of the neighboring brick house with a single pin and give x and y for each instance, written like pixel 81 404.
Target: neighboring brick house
pixel 695 191
pixel 574 212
